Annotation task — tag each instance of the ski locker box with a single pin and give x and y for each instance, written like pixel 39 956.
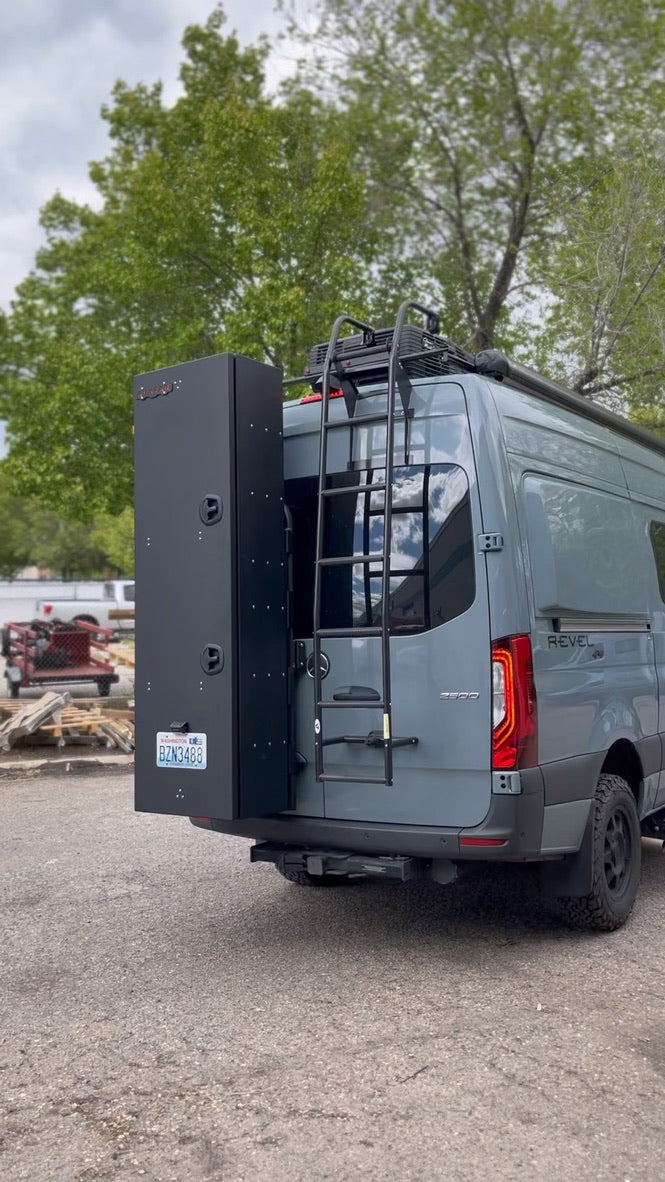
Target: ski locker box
pixel 211 630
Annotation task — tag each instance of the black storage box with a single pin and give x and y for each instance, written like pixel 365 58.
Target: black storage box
pixel 211 633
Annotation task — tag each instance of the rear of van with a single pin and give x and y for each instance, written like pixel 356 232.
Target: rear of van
pixel 463 708
pixel 354 662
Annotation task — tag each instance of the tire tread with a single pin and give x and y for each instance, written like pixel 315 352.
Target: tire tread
pixel 592 912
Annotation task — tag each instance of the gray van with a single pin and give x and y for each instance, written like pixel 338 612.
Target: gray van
pixel 412 621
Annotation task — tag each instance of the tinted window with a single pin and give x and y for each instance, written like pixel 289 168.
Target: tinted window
pixel 657 535
pixel 586 548
pixel 432 575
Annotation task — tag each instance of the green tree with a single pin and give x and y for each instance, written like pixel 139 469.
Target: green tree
pixel 479 123
pixel 32 535
pixel 15 532
pixel 115 537
pixel 229 221
pixel 607 275
pixel 65 547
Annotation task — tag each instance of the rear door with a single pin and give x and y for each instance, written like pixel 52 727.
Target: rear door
pixel 439 623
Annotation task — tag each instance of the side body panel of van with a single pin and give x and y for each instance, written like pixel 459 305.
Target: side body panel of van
pixel 594 619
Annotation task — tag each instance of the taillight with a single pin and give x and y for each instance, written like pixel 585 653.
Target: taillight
pixel 47 608
pixel 317 397
pixel 514 710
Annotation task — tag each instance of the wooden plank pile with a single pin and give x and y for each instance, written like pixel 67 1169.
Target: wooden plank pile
pixel 117 653
pixel 55 720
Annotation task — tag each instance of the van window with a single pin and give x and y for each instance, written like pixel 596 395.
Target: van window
pixel 657 535
pixel 432 576
pixel 586 548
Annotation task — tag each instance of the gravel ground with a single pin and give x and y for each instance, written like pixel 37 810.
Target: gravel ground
pixel 168 1011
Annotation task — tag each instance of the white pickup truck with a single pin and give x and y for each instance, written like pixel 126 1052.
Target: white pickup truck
pixel 114 608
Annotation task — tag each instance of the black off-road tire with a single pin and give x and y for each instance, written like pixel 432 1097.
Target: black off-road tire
pixel 104 687
pixel 616 855
pixel 303 878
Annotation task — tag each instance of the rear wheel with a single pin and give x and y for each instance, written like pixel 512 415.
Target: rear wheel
pixel 615 860
pixel 104 687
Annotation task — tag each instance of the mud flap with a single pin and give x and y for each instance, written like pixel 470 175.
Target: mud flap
pixel 572 875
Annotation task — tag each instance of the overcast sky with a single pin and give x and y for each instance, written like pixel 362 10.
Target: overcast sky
pixel 58 62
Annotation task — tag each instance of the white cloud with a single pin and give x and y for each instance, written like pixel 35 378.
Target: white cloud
pixel 59 60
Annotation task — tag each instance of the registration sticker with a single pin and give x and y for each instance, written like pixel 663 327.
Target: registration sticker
pixel 182 751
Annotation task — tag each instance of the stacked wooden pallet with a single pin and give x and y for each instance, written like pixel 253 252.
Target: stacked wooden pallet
pixel 116 653
pixel 54 719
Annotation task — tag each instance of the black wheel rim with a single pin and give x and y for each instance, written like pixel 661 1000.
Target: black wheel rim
pixel 618 852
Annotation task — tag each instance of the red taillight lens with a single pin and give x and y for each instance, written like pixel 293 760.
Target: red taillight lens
pixel 317 397
pixel 47 608
pixel 515 718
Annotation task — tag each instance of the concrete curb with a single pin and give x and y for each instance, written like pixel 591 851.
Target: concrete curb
pixel 65 765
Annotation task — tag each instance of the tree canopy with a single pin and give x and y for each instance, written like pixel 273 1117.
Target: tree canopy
pixel 31 535
pixel 227 222
pixel 500 159
pixel 486 130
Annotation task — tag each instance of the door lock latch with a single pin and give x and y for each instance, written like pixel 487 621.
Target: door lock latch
pixel 211 509
pixel 212 659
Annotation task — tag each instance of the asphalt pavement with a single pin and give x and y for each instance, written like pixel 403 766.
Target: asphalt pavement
pixel 170 1012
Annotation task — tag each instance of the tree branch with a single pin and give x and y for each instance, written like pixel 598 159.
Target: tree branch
pixel 626 380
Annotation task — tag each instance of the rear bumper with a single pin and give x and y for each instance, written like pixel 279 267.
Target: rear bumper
pixel 515 821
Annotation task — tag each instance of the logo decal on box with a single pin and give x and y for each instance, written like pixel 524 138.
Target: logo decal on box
pixel 162 388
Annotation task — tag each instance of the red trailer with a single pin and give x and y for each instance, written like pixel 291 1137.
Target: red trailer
pixel 55 653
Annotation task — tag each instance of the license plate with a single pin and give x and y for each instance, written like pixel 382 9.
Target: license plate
pixel 182 751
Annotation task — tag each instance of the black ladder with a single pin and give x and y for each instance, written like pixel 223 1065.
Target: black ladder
pixel 358 697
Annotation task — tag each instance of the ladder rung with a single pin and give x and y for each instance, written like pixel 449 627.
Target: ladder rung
pixel 397 573
pixel 357 420
pixel 346 489
pixel 351 559
pixel 330 777
pixel 350 632
pixel 359 704
pixel 400 509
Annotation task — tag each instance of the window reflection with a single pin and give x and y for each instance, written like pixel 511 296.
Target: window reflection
pixel 432 576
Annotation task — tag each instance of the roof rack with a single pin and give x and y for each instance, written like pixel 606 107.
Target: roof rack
pixel 364 359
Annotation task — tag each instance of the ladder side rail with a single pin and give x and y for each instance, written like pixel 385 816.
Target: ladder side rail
pixel 432 321
pixel 427 607
pixel 367 585
pixel 320 522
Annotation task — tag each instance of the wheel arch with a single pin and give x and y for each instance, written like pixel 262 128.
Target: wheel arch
pixel 623 760
pixel 571 875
